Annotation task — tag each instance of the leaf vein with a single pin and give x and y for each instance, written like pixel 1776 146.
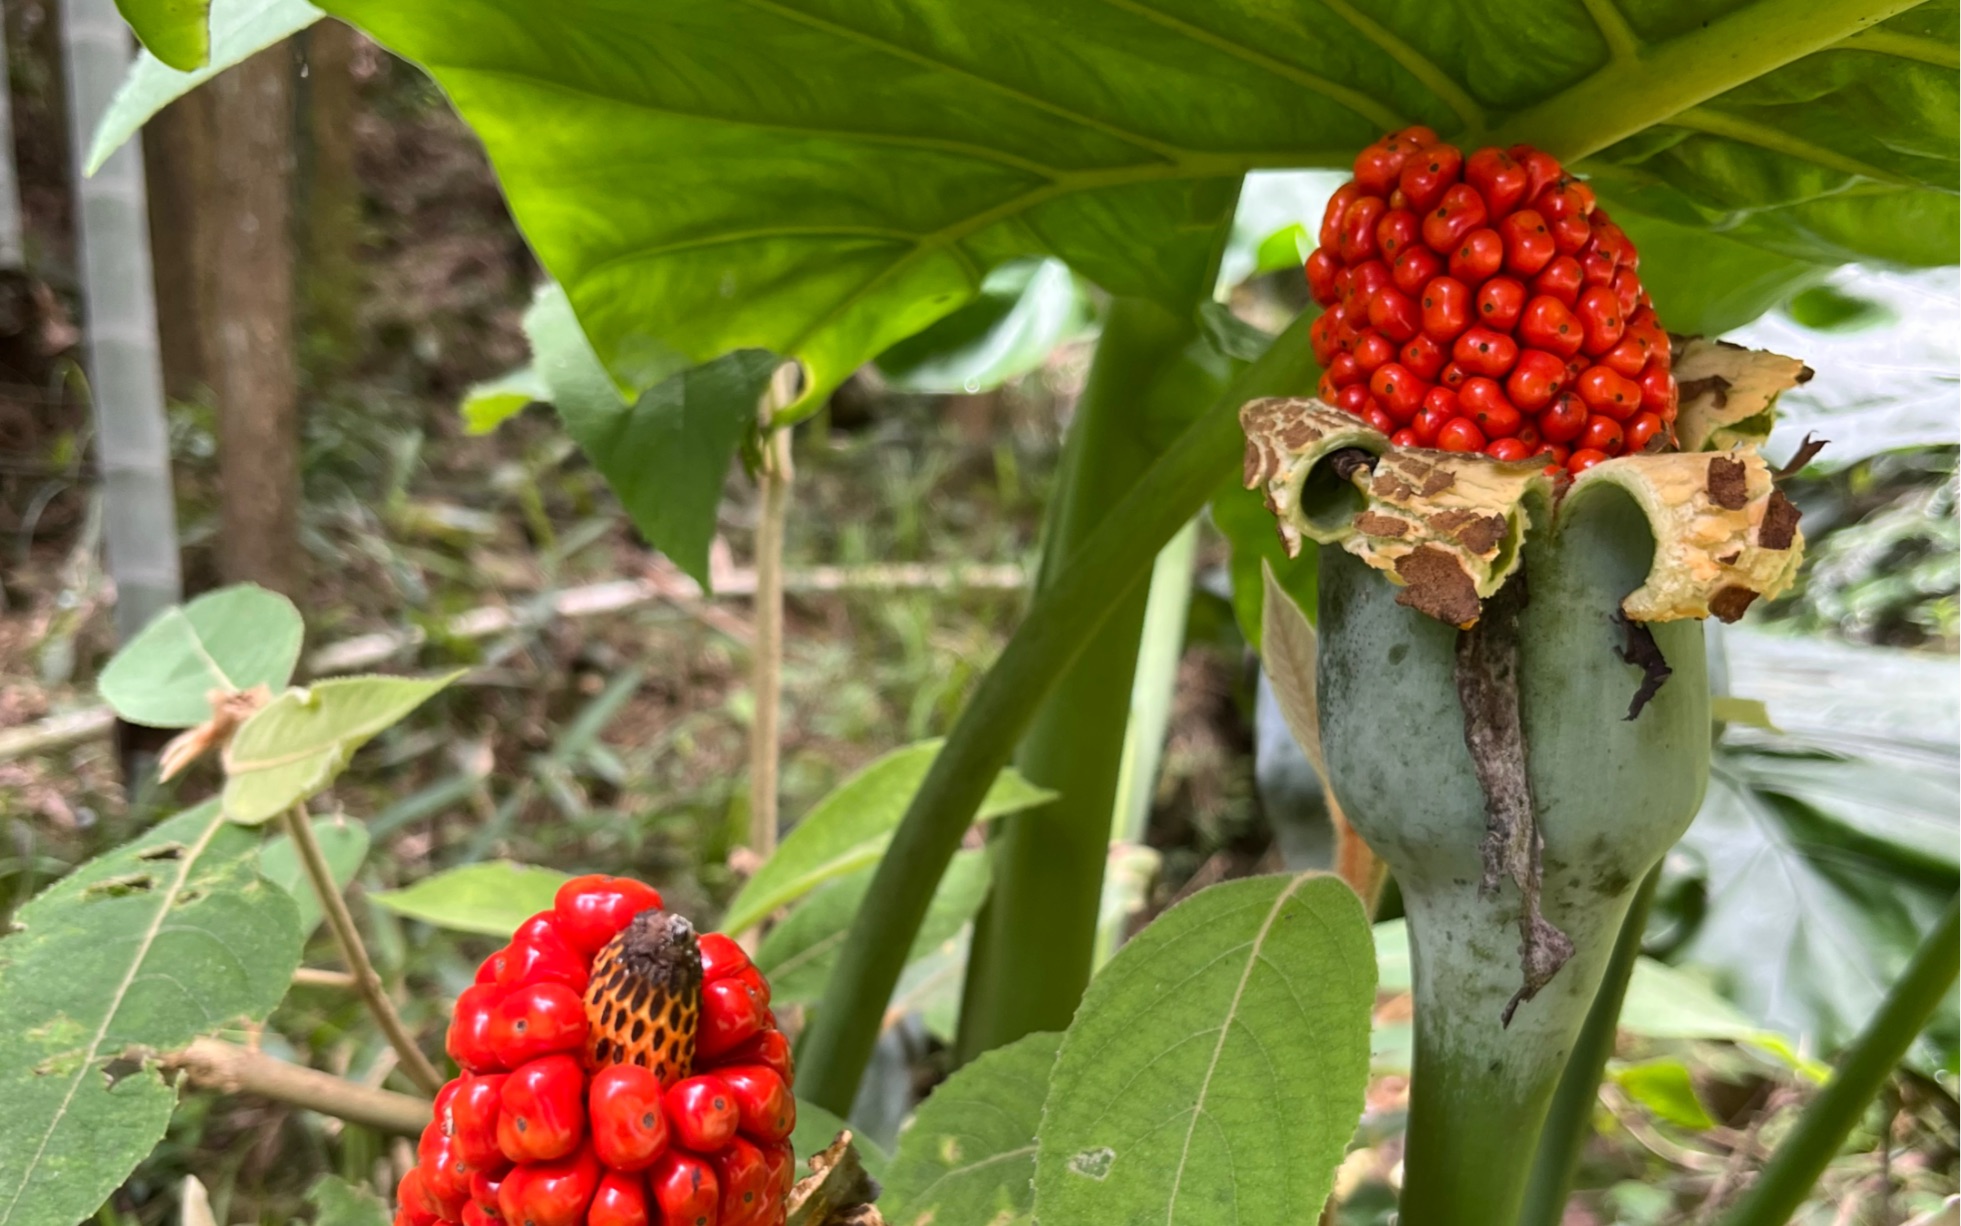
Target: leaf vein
pixel 1414 62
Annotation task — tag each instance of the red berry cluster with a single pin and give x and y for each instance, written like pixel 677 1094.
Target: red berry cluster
pixel 1486 304
pixel 618 1071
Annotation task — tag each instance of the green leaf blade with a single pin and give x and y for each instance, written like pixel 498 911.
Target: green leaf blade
pixel 175 31
pixel 1216 1068
pixel 969 1153
pixel 492 898
pixel 235 638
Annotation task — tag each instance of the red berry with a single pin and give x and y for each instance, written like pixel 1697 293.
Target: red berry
pixel 722 957
pixel 1342 371
pixel 1570 235
pixel 1330 232
pixel 767 1108
pixel 1357 242
pixel 1378 420
pixel 554 1193
pixel 1596 266
pixel 1322 269
pixel 1405 437
pixel 1360 286
pixel 1529 435
pixel 1460 211
pixel 1658 392
pixel 1372 350
pixel 473 1119
pixel 1478 256
pixel 1427 176
pixel 1561 279
pixel 468 1042
pixel 1496 420
pixel 1414 267
pixel 1482 395
pixel 629 1124
pixel 475 1214
pixel 1397 230
pixel 1446 309
pixel 757 983
pixel 1528 244
pixel 546 958
pixel 1509 450
pixel 1378 167
pixel 1583 459
pixel 731 1011
pixel 1540 168
pixel 701 1113
pixel 1642 428
pixel 1499 179
pixel 1609 393
pixel 1485 352
pixel 1397 391
pixel 621 1200
pixel 415 1199
pixel 1627 290
pixel 1626 358
pixel 686 1190
pixel 744 1177
pixel 537 1020
pixel 1323 335
pixel 591 910
pixel 542 1114
pixel 1427 425
pixel 1423 356
pixel 1602 434
pixel 1547 324
pixel 1460 435
pixel 1392 313
pixel 1599 313
pixel 1354 399
pixel 1535 380
pixel 445 1176
pixel 1499 302
pixel 782 1164
pixel 1563 420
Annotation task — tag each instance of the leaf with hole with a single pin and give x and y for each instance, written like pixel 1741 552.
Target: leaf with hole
pixel 492 898
pixel 168 937
pixel 233 639
pixel 295 745
pixel 1215 1069
pixel 969 1154
pixel 849 828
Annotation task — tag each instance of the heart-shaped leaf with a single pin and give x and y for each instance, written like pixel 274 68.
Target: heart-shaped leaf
pixel 233 639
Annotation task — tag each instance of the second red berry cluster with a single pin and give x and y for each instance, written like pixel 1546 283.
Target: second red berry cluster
pixel 618 1071
pixel 1486 304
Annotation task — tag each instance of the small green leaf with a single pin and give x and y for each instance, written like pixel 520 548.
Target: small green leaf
pixel 817 1128
pixel 175 31
pixel 492 898
pixel 1025 309
pixel 1215 1069
pixel 295 745
pixel 1827 308
pixel 487 406
pixel 240 29
pixel 1664 1087
pixel 231 639
pixel 345 845
pixel 337 1202
pixel 969 1154
pixel 798 953
pixel 168 937
pixel 849 829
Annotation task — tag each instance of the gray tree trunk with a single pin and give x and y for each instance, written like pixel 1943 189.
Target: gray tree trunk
pixel 132 441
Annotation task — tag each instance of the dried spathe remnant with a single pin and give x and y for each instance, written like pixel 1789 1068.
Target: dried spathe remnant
pixel 1727 392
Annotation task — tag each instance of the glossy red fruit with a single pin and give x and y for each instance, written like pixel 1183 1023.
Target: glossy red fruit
pixel 1460 435
pixel 1378 419
pixel 1477 257
pixel 1324 335
pixel 1626 358
pixel 1602 434
pixel 1596 266
pixel 701 1113
pixel 1423 357
pixel 1360 285
pixel 1583 459
pixel 1499 178
pixel 1446 309
pixel 1481 395
pixel 1508 449
pixel 1427 425
pixel 1355 399
pixel 536 1020
pixel 1658 392
pixel 1460 211
pixel 1496 420
pixel 782 1164
pixel 1547 324
pixel 1397 230
pixel 1342 371
pixel 1642 428
pixel 1599 313
pixel 475 1214
pixel 621 1200
pixel 1535 380
pixel 1357 241
pixel 1541 168
pixel 415 1199
pixel 1499 302
pixel 542 1110
pixel 1609 393
pixel 1452 376
pixel 721 956
pixel 1486 352
pixel 1397 391
pixel 1627 290
pixel 1405 437
pixel 1322 269
pixel 1428 175
pixel 445 1176
pixel 468 1042
pixel 484 1187
pixel 1372 350
pixel 1561 279
pixel 731 1011
pixel 1528 244
pixel 591 910
pixel 545 958
pixel 744 1177
pixel 767 1108
pixel 473 1116
pixel 1394 314
pixel 686 1190
pixel 1562 421
pixel 1414 268
pixel 1330 231
pixel 554 1193
pixel 628 1119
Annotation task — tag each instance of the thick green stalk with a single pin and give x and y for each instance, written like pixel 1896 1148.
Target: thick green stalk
pixel 1033 942
pixel 1570 1121
pixel 1798 1162
pixel 1060 622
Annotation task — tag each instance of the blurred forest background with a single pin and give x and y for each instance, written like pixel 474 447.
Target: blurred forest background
pixel 335 270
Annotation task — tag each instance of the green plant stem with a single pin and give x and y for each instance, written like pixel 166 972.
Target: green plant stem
pixel 1035 939
pixel 1795 1166
pixel 348 937
pixel 1059 623
pixel 1570 1121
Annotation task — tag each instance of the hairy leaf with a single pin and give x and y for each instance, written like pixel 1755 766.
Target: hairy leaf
pixel 492 898
pixel 168 937
pixel 849 828
pixel 1216 1067
pixel 969 1154
pixel 295 745
pixel 235 638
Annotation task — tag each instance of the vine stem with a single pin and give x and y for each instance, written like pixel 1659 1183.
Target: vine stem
pixel 232 1069
pixel 348 937
pixel 766 668
pixel 1060 622
pixel 1798 1162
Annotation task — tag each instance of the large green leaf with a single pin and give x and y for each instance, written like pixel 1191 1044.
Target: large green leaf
pixel 168 937
pixel 833 177
pixel 235 638
pixel 492 898
pixel 239 30
pixel 295 745
pixel 343 843
pixel 1216 1067
pixel 848 829
pixel 799 952
pixel 968 1157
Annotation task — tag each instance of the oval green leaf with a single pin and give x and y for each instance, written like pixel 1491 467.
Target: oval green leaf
pixel 232 639
pixel 491 898
pixel 1216 1068
pixel 968 1157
